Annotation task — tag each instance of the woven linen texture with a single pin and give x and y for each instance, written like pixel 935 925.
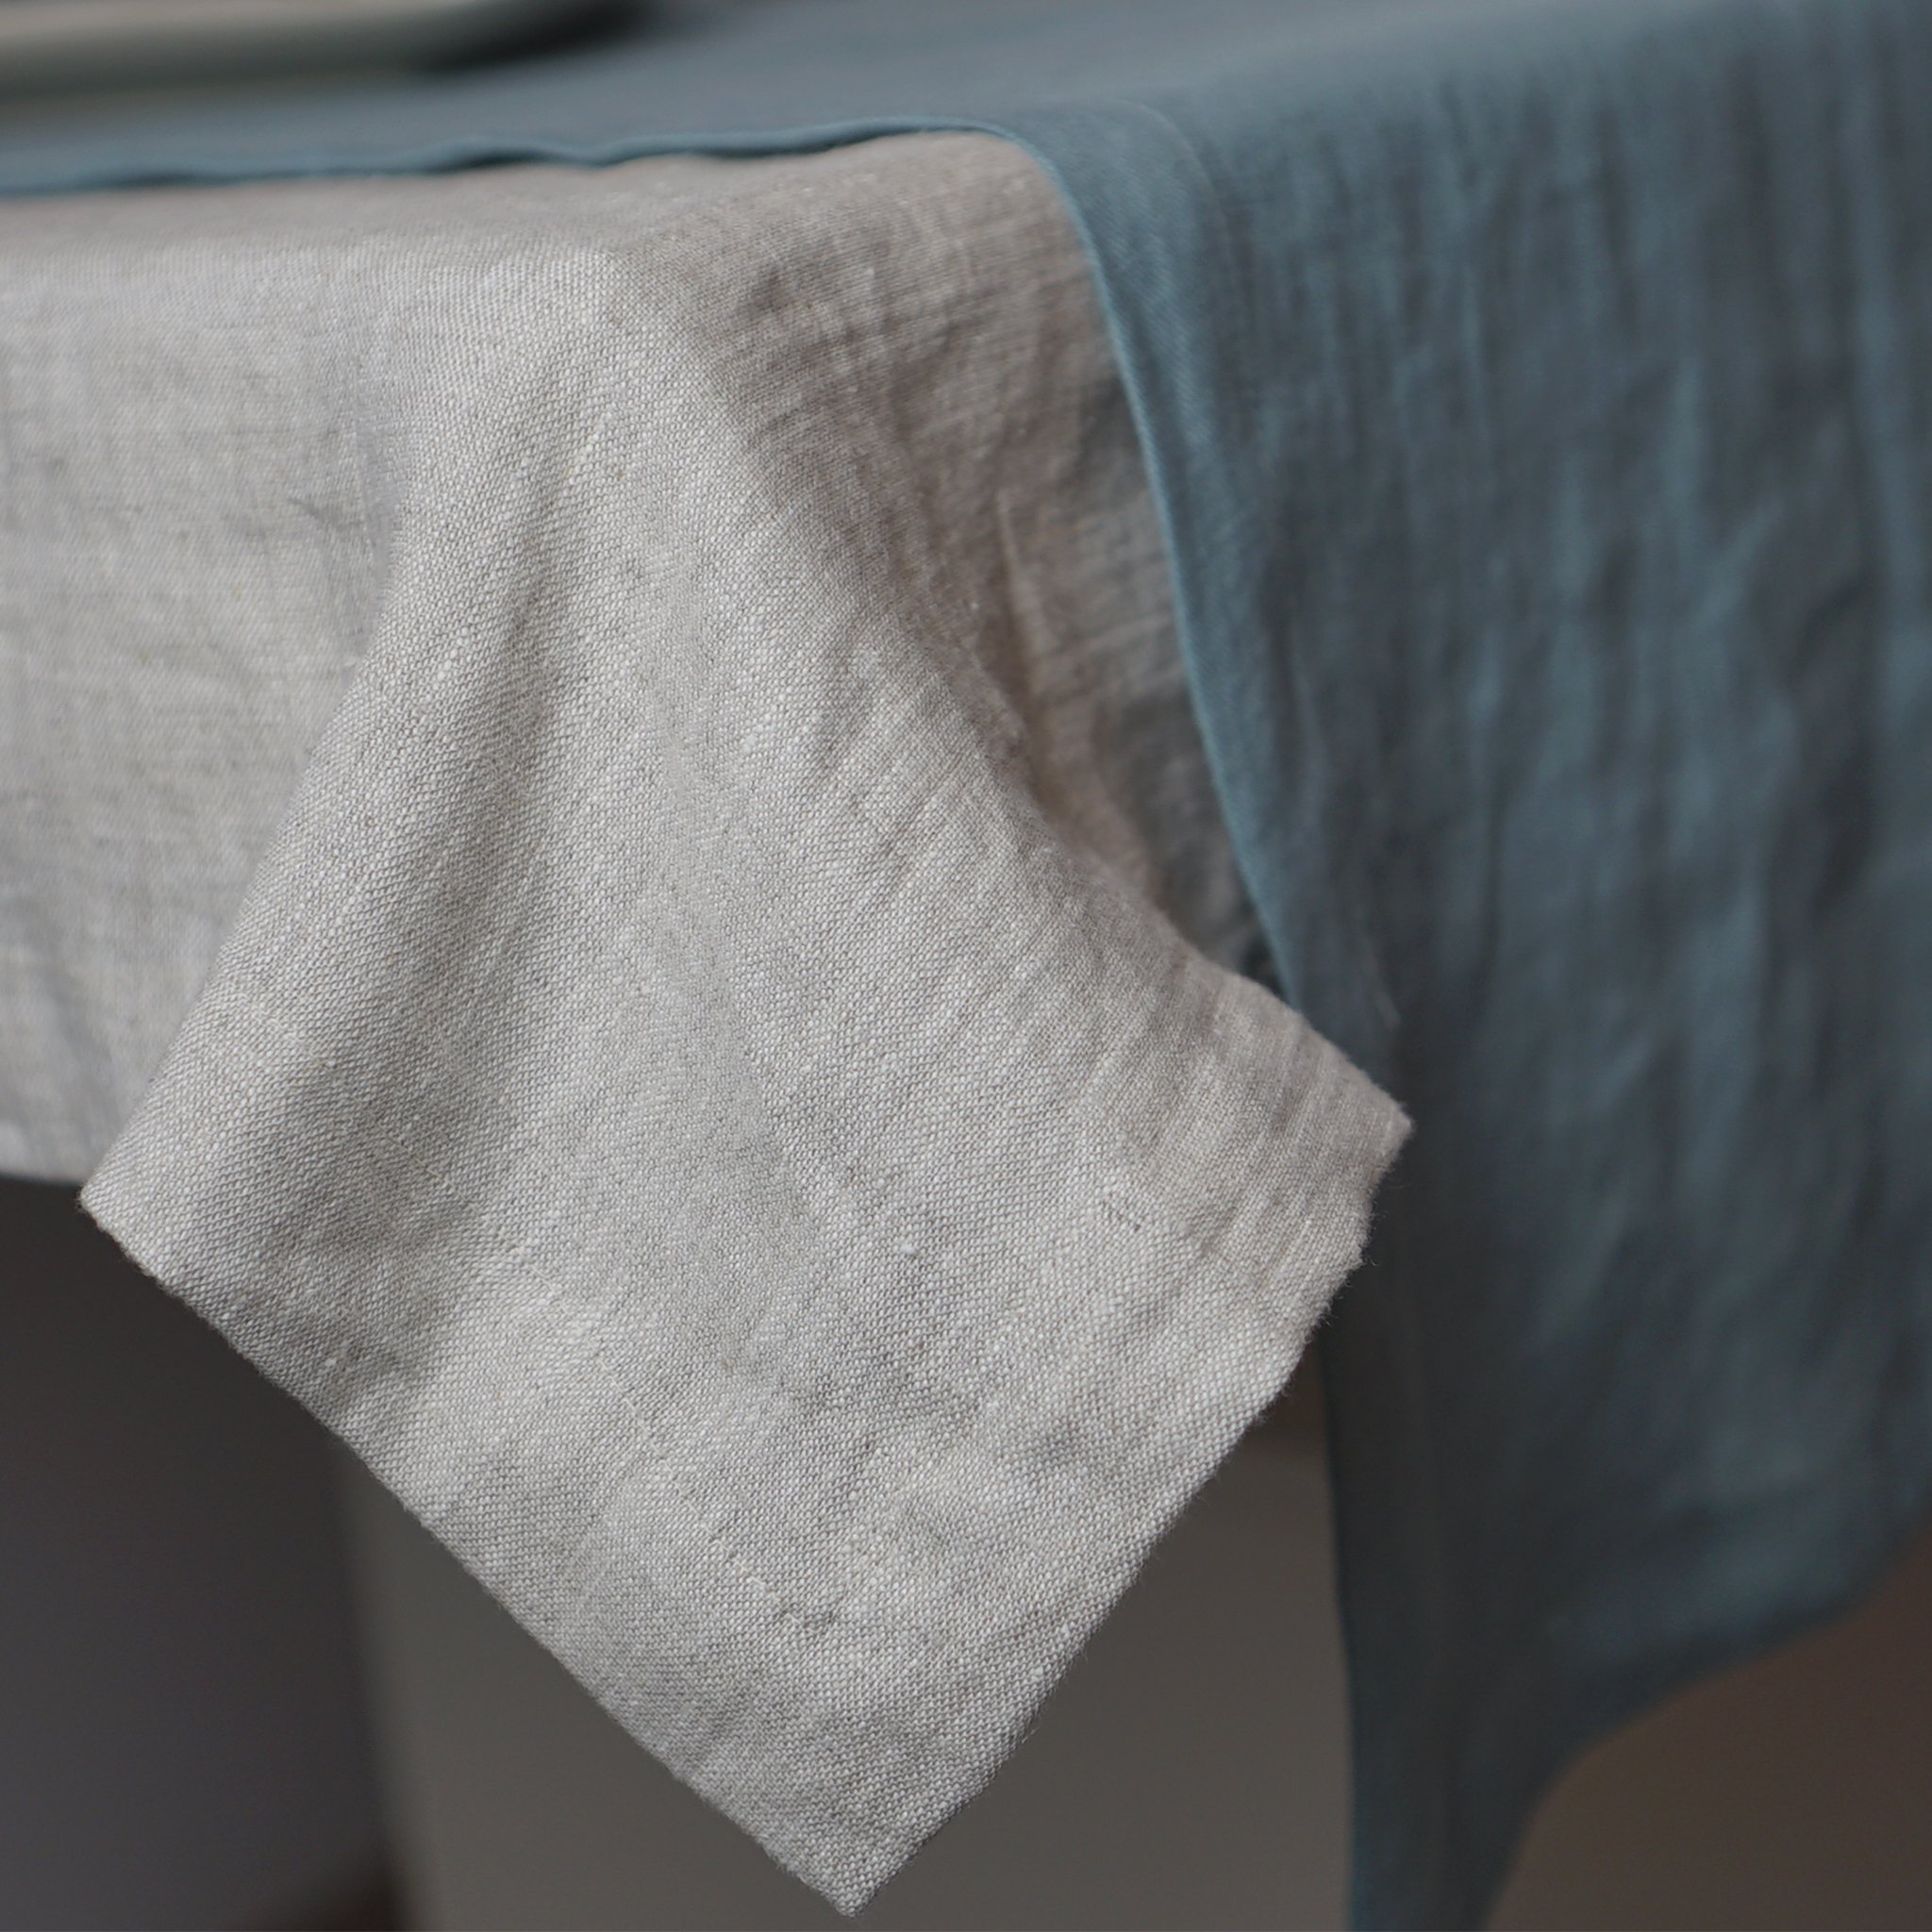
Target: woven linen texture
pixel 713 1086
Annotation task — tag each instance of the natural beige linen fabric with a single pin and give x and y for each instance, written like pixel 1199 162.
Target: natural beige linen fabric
pixel 699 1089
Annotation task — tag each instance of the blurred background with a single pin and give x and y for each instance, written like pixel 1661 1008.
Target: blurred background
pixel 70 50
pixel 244 1690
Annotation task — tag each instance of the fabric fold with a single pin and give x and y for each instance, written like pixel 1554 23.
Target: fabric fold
pixel 710 1111
pixel 1534 396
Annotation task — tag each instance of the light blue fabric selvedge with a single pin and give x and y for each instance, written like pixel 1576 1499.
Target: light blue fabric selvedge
pixel 1538 397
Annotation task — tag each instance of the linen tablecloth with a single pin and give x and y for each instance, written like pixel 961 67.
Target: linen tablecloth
pixel 596 772
pixel 1534 395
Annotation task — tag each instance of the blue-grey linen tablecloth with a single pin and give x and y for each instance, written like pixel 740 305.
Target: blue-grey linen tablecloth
pixel 1537 394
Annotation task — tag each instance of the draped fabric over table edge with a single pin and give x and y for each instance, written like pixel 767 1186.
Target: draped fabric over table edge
pixel 1537 401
